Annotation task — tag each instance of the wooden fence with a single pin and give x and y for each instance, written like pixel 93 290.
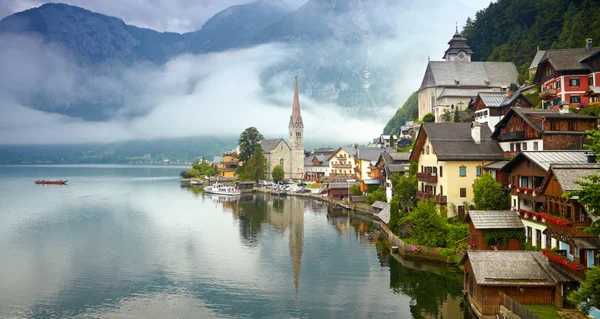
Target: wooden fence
pixel 517 308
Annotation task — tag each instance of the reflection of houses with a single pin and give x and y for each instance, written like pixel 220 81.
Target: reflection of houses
pixel 495 229
pixel 316 166
pixel 366 158
pixel 491 107
pixel 291 218
pixel 227 165
pixel 450 157
pixel 342 162
pixel 386 166
pixel 564 216
pixel 524 276
pixel 535 130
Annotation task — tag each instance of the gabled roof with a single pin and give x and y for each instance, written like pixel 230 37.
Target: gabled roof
pixel 568 174
pixel 497 99
pixel 384 214
pixel 495 219
pixel 308 161
pixel 543 159
pixel 379 204
pixel 565 60
pixel 348 149
pixel 592 90
pixel 469 74
pixel 509 268
pixel 394 162
pixel 536 59
pixel 372 153
pixel 534 117
pixel 453 141
pixel 269 145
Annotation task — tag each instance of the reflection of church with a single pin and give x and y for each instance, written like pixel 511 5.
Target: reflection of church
pixel 289 214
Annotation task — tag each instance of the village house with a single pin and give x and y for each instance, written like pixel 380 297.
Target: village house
pixel 495 230
pixel 525 129
pixel 523 175
pixel 366 158
pixel 227 164
pixel 565 75
pixel 491 107
pixel 593 94
pixel 316 166
pixel 563 217
pixel 524 276
pixel 450 156
pixel 385 140
pixel 386 166
pixel 408 130
pixel 453 83
pixel 340 190
pixel 342 162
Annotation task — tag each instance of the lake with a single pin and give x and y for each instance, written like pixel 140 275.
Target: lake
pixel 129 242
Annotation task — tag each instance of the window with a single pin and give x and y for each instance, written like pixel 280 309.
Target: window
pixel 590 81
pixel 528 163
pixel 423 151
pixel 575 99
pixel 463 192
pixel 518 147
pixel 462 171
pixel 478 171
pixel 281 162
pixel 571 125
pixel 558 84
pixel 538 235
pixel 441 171
pixel 524 146
pixel 441 190
pixel 461 210
pixel 512 147
pixel 551 87
pixel 298 134
pixel 552 125
pixel 452 107
pixel 427 150
pixel 574 82
pixel 573 251
pixel 556 101
pixel 529 232
pixel 548 242
pixel 422 169
pixel 535 146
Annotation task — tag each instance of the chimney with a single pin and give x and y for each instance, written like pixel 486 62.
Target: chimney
pixel 563 107
pixel 476 132
pixel 591 157
pixel 589 44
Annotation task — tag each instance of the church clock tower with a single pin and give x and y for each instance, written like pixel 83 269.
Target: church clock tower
pixel 296 128
pixel 458 49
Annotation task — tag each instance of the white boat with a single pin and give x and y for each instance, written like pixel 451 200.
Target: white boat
pixel 223 189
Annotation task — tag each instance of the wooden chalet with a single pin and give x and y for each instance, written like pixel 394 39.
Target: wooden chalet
pixel 491 107
pixel 524 276
pixel 488 230
pixel 535 130
pixel 340 190
pixel 564 217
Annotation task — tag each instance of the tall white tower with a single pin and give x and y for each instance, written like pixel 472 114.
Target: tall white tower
pixel 296 128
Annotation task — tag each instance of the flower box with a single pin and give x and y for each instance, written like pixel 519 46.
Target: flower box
pixel 562 260
pixel 511 185
pixel 555 220
pixel 518 189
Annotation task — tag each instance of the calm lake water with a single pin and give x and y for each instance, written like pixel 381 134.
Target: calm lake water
pixel 129 242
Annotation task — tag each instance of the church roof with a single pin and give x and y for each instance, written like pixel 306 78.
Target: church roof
pixel 469 74
pixel 269 145
pixel 457 43
pixel 296 116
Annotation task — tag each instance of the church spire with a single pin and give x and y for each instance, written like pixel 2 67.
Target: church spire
pixel 296 106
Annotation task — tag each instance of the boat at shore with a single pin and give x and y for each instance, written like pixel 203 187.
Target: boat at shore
pixel 223 189
pixel 44 182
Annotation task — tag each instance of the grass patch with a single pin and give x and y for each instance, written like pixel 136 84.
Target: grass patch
pixel 314 186
pixel 544 311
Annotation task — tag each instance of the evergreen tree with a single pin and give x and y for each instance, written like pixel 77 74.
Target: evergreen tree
pixel 489 195
pixel 456 117
pixel 429 118
pixel 277 173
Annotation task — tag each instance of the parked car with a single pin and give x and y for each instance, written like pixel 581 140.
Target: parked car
pixel 304 190
pixel 288 181
pixel 301 183
pixel 323 192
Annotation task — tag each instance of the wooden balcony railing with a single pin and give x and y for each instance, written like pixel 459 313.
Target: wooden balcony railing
pixel 548 94
pixel 511 136
pixel 427 177
pixel 439 199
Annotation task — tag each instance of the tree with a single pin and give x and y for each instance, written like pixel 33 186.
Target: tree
pixel 408 112
pixel 447 116
pixel 456 117
pixel 355 190
pixel 255 168
pixel 377 195
pixel 489 195
pixel 428 227
pixel 249 142
pixel 277 173
pixel 588 295
pixel 429 118
pixel 192 173
pixel 405 190
pixel 394 222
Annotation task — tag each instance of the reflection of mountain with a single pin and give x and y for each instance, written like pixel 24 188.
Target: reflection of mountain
pixel 436 292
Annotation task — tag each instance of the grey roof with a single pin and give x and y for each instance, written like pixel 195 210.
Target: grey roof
pixel 595 89
pixel 372 153
pixel 379 204
pixel 384 214
pixel 509 268
pixel 495 219
pixel 492 99
pixel 568 174
pixel 341 185
pixel 587 242
pixel 568 59
pixel 400 156
pixel 496 165
pixel 270 145
pixel 543 159
pixel 395 162
pixel 536 59
pixel 371 181
pixel 322 158
pixel 466 74
pixel 452 92
pixel 534 118
pixel 453 141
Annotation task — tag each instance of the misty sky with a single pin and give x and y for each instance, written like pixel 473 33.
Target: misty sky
pixel 210 94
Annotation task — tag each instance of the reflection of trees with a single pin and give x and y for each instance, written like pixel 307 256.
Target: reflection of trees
pixel 278 204
pixel 252 215
pixel 427 289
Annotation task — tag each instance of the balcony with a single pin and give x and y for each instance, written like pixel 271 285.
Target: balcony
pixel 561 263
pixel 427 177
pixel 512 136
pixel 439 199
pixel 548 94
pixel 342 165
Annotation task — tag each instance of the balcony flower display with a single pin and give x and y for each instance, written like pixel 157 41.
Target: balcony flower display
pixel 518 189
pixel 525 190
pixel 562 260
pixel 536 192
pixel 511 185
pixel 555 220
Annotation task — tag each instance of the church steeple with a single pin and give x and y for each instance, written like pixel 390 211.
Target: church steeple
pixel 296 116
pixel 458 50
pixel 296 141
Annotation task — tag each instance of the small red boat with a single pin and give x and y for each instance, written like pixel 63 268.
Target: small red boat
pixel 51 182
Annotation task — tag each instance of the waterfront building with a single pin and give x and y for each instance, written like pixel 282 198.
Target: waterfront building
pixel 227 164
pixel 453 83
pixel 490 107
pixel 564 75
pixel 342 162
pixel 366 158
pixel 386 166
pixel 289 156
pixel 524 276
pixel 525 129
pixel 316 166
pixel 450 156
pixel 488 230
pixel 340 190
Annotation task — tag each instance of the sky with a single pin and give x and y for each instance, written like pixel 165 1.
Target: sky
pixel 207 94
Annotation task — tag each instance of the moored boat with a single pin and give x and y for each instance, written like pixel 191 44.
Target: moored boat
pixel 59 182
pixel 223 189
